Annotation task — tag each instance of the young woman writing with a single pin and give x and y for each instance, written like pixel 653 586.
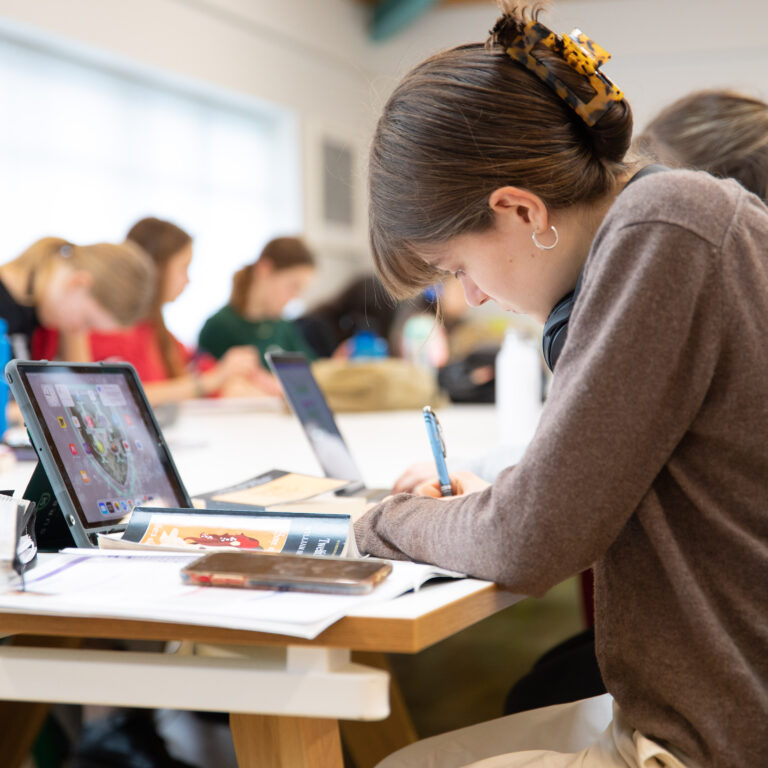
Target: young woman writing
pixel 648 461
pixel 260 293
pixel 719 131
pixel 168 370
pixel 726 134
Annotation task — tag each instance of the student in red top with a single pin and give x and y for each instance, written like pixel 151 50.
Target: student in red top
pixel 167 368
pixel 68 289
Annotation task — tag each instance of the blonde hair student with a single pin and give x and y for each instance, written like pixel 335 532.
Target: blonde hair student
pixel 168 370
pixel 73 288
pixel 505 164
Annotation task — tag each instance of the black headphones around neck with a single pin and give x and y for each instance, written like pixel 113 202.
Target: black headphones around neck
pixel 556 326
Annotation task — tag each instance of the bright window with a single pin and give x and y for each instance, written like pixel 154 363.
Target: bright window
pixel 86 150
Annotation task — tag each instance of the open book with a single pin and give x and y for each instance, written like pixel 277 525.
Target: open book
pixel 316 528
pixel 273 487
pixel 268 513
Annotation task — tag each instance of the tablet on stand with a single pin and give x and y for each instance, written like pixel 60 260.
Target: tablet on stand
pixel 100 450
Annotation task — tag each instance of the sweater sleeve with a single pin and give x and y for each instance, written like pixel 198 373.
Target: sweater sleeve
pixel 642 348
pixel 214 336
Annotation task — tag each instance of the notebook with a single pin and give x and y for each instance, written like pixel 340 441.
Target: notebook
pixel 100 449
pixel 313 412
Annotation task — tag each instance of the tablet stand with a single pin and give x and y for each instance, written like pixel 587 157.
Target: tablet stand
pixel 26 542
pixel 51 529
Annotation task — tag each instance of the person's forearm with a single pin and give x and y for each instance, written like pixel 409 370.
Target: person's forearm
pixel 75 347
pixel 173 390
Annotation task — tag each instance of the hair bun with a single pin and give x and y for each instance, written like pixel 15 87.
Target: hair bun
pixel 611 135
pixel 508 27
pixel 600 115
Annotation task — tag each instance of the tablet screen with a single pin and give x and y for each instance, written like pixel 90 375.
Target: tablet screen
pixel 103 440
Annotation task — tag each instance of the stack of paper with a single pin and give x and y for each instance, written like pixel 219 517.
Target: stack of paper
pixel 147 586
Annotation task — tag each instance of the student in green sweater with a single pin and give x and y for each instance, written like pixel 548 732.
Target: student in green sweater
pixel 260 292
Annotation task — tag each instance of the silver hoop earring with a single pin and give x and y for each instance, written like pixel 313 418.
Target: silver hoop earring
pixel 545 247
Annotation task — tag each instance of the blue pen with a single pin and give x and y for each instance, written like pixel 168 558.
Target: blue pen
pixel 437 443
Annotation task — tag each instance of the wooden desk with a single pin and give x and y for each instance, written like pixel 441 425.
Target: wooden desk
pixel 285 695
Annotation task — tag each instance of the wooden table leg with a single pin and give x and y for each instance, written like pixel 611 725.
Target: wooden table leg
pixel 269 741
pixel 20 723
pixel 370 742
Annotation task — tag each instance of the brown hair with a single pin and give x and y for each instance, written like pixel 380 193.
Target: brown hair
pixel 721 132
pixel 466 122
pixel 283 253
pixel 162 240
pixel 362 305
pixel 123 275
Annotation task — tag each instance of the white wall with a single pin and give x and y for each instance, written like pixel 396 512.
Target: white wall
pixel 662 49
pixel 314 56
pixel 303 54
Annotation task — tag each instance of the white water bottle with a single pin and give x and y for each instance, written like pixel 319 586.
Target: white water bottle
pixel 518 388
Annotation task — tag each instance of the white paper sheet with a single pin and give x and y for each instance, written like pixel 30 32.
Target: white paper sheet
pixel 147 586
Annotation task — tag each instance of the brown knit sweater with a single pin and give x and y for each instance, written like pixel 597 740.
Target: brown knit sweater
pixel 650 462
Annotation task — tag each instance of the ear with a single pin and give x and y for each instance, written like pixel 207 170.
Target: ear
pixel 515 205
pixel 79 279
pixel 263 267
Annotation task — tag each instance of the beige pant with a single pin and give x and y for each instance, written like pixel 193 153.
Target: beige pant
pixel 585 734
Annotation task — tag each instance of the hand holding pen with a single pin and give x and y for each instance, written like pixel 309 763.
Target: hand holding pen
pixel 446 486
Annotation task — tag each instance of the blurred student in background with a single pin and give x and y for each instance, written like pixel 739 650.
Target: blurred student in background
pixel 260 293
pixel 722 132
pixel 69 290
pixel 362 305
pixel 168 370
pixel 423 327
